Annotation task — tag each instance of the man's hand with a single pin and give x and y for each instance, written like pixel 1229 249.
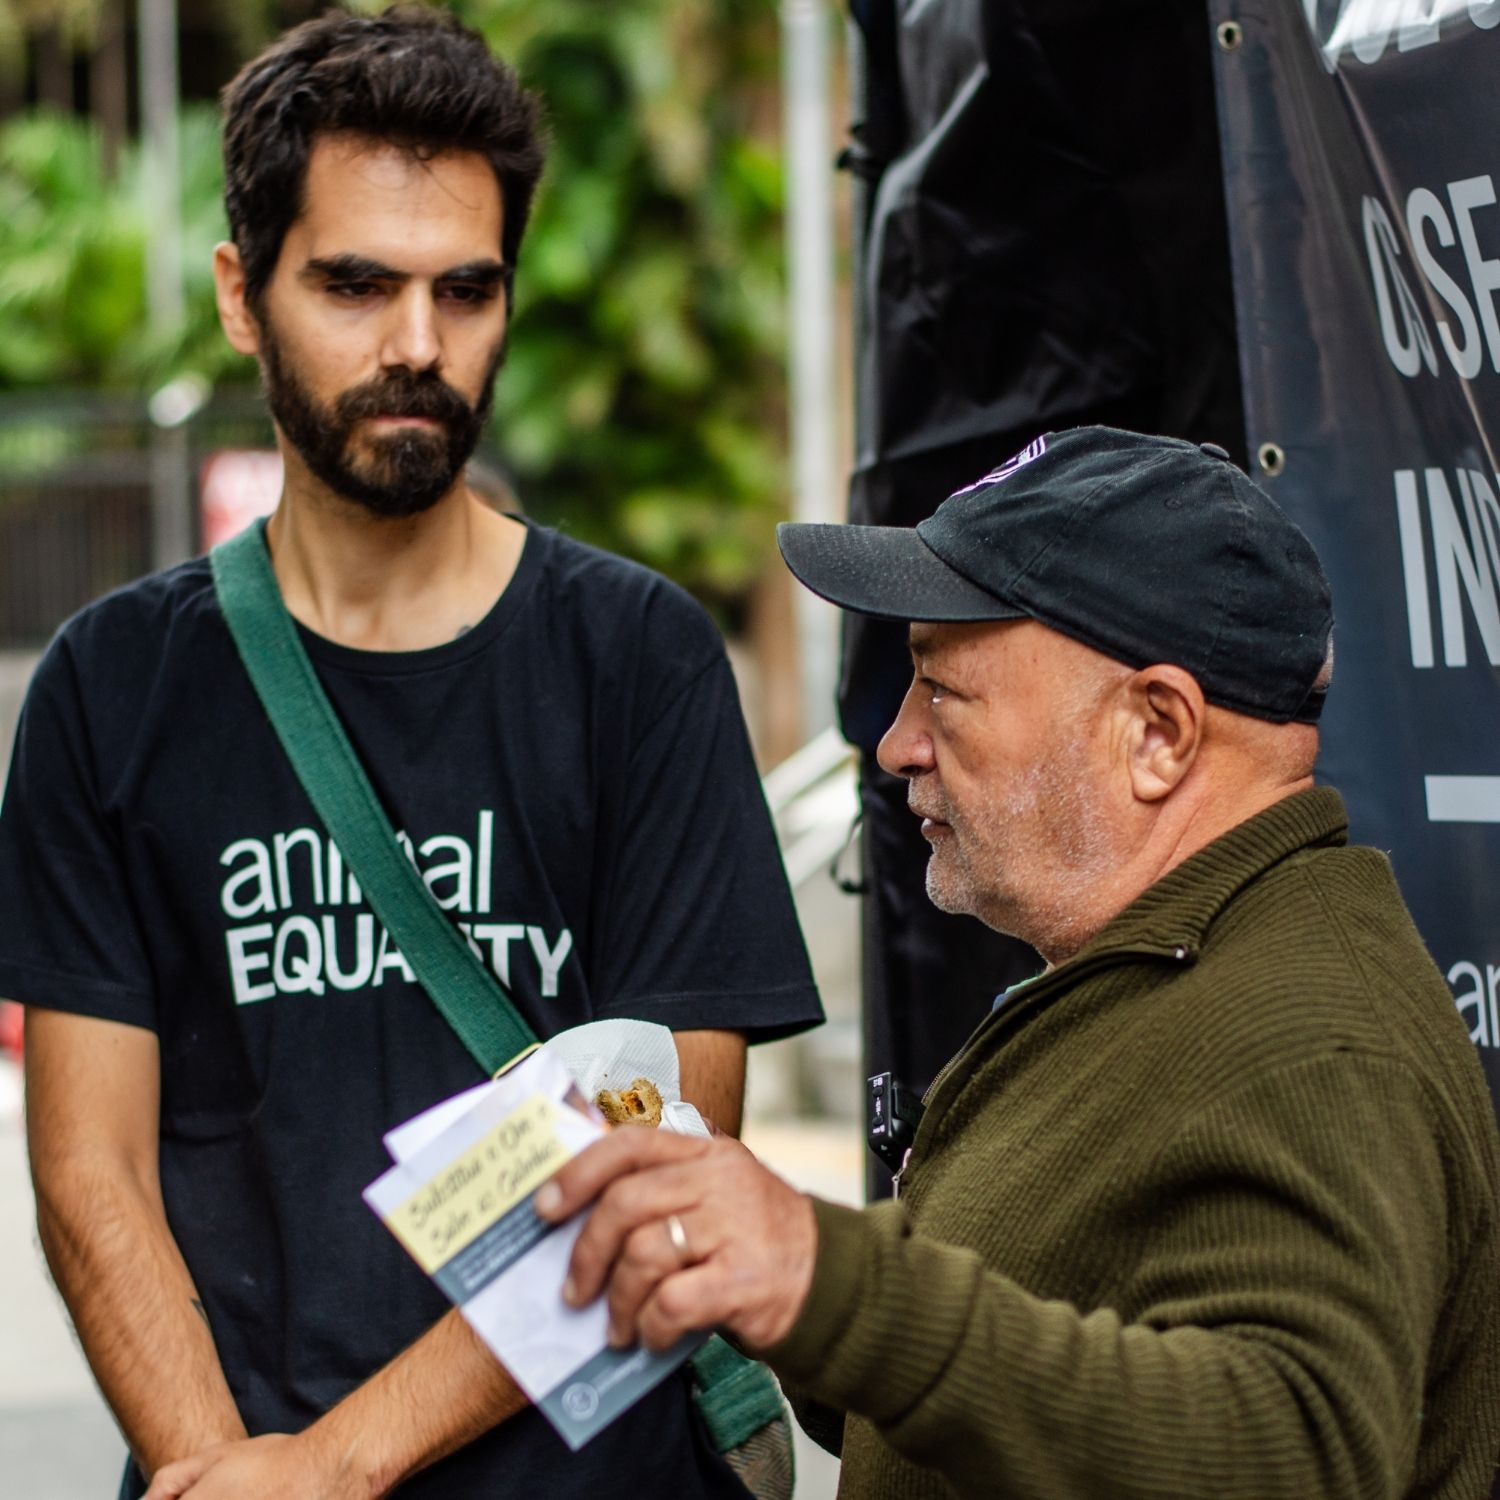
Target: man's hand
pixel 741 1256
pixel 274 1467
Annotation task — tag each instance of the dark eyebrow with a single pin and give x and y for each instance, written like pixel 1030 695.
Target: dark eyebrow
pixel 919 638
pixel 364 268
pixel 352 268
pixel 478 272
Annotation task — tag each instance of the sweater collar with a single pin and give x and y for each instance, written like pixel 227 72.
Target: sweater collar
pixel 1178 910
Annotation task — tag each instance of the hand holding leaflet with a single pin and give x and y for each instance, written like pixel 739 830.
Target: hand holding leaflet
pixel 460 1199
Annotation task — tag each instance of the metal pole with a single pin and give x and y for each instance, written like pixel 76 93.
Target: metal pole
pixel 157 25
pixel 816 489
pixel 171 488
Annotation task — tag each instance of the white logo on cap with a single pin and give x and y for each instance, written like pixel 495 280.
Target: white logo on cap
pixel 1031 451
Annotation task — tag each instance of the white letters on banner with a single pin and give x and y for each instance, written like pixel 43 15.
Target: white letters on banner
pixel 1431 224
pixel 1478 1002
pixel 1365 28
pixel 1407 341
pixel 1465 562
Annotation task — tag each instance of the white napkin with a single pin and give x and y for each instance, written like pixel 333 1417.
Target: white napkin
pixel 613 1054
pixel 600 1055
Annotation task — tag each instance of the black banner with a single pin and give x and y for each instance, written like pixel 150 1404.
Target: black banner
pixel 1361 147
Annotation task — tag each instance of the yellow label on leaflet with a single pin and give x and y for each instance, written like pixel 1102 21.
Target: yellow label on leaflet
pixel 509 1162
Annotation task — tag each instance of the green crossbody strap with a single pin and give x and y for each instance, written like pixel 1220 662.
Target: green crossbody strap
pixel 470 1000
pixel 735 1395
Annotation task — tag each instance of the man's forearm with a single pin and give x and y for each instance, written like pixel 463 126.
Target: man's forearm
pixel 964 1373
pixel 432 1399
pixel 136 1311
pixel 447 1388
pixel 712 1074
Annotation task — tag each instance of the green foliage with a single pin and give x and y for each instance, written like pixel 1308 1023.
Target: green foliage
pixel 77 22
pixel 642 402
pixel 70 255
pixel 73 259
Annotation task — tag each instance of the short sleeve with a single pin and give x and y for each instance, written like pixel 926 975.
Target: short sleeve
pixel 69 937
pixel 698 925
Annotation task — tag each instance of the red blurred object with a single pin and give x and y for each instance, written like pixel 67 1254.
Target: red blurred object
pixel 235 486
pixel 10 1028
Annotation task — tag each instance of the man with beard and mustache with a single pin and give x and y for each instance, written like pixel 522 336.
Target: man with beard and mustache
pixel 219 1031
pixel 1208 1209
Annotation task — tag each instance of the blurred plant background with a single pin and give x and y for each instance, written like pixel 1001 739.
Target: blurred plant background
pixel 73 228
pixel 643 401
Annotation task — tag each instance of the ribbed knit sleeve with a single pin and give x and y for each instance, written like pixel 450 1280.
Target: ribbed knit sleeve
pixel 1271 1339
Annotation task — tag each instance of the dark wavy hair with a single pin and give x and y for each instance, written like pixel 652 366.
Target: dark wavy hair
pixel 411 76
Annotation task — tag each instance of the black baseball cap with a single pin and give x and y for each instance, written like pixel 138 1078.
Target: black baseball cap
pixel 1148 549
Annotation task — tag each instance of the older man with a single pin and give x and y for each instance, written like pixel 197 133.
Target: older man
pixel 1208 1208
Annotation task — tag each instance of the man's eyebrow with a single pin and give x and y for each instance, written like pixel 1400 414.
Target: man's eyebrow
pixel 352 268
pixel 485 272
pixel 482 272
pixel 919 638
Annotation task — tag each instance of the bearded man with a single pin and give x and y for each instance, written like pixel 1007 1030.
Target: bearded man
pixel 218 1031
pixel 1206 1209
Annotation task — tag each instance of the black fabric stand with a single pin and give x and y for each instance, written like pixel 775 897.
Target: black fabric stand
pixel 1044 245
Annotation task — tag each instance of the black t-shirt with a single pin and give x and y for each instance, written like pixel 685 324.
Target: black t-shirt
pixel 575 784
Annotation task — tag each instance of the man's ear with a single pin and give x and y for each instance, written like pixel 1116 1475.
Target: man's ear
pixel 238 322
pixel 1165 720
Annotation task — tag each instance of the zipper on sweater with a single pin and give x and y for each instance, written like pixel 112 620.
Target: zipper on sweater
pixel 900 1173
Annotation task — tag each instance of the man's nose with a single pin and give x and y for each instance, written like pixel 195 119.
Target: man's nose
pixel 412 338
pixel 905 748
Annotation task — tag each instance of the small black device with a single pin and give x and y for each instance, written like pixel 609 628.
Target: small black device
pixel 895 1111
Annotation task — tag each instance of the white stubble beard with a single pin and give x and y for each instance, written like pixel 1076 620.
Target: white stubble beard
pixel 1026 860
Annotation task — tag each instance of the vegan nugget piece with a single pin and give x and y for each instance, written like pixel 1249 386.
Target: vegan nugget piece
pixel 640 1104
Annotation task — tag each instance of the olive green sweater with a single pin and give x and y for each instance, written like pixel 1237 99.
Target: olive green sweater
pixel 1209 1210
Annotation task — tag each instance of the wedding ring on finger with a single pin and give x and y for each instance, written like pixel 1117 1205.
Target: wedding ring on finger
pixel 678 1236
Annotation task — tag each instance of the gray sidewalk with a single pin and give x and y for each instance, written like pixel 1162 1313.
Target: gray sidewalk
pixel 57 1442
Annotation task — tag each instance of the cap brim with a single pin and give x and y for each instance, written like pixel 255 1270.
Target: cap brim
pixel 885 571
